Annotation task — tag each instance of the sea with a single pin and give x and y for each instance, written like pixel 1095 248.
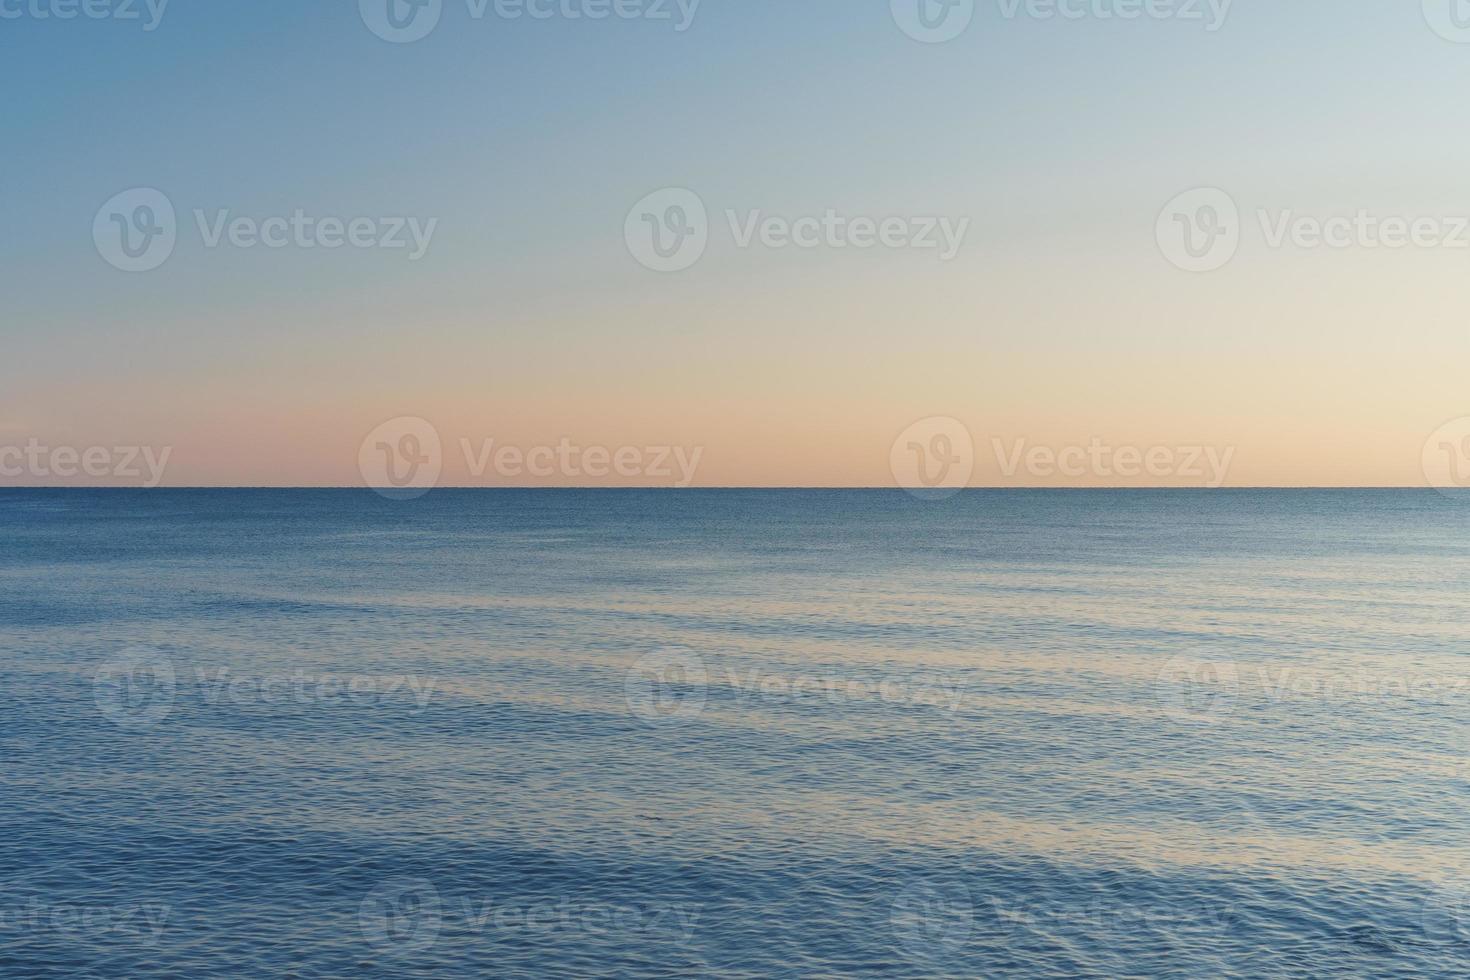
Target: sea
pixel 485 733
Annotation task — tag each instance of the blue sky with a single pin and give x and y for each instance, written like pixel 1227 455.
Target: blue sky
pixel 529 141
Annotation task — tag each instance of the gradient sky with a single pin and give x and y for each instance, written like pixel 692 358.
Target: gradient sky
pixel 529 322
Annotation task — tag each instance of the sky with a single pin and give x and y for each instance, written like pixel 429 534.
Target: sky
pixel 1063 331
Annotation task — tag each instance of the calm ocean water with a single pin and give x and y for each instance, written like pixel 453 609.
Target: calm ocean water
pixel 739 734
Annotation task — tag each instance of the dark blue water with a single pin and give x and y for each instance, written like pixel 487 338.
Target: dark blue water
pixel 741 734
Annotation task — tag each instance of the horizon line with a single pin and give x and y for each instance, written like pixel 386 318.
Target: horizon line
pixel 866 489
